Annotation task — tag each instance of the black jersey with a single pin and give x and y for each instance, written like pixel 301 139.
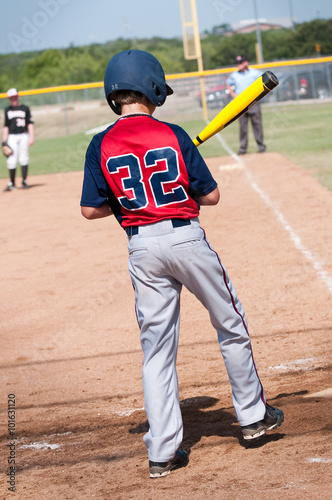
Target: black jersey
pixel 17 119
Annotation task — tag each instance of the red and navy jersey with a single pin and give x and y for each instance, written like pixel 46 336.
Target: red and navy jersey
pixel 17 119
pixel 147 170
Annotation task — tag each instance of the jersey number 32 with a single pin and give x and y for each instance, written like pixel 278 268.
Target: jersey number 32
pixel 133 186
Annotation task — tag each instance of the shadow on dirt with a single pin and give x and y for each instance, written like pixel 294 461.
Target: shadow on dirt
pixel 199 421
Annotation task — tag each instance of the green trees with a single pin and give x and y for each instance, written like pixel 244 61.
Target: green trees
pixel 308 34
pixel 86 64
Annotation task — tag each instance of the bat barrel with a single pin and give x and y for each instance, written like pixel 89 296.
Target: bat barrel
pixel 240 105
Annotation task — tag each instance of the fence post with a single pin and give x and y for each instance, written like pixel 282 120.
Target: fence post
pixel 328 76
pixel 313 83
pixel 65 114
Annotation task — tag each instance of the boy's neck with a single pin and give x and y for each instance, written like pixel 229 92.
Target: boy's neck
pixel 137 107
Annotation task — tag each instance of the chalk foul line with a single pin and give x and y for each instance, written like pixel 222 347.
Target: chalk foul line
pixel 316 264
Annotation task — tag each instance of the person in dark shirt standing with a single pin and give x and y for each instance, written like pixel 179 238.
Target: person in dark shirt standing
pixel 18 133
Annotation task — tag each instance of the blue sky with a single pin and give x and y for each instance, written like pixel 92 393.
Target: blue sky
pixel 41 24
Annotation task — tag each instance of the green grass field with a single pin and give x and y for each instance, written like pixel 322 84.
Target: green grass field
pixel 302 133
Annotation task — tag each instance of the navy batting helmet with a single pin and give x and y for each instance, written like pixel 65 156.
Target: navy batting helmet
pixel 136 70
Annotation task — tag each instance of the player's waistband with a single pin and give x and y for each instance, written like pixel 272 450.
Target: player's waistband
pixel 159 227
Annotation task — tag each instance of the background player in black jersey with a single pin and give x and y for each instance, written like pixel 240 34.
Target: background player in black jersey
pixel 18 133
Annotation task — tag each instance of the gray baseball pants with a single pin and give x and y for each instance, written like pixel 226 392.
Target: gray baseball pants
pixel 255 116
pixel 161 260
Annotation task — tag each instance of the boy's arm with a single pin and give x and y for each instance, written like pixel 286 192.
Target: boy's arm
pixel 5 134
pixel 210 199
pixel 94 200
pixel 96 212
pixel 31 131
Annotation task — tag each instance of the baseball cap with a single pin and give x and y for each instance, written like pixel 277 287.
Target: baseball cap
pixel 241 59
pixel 12 92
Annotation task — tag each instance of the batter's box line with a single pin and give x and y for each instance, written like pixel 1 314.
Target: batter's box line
pixel 315 263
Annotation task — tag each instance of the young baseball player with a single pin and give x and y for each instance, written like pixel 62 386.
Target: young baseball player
pixel 149 174
pixel 18 134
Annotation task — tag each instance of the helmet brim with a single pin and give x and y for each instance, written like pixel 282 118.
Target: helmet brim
pixel 169 90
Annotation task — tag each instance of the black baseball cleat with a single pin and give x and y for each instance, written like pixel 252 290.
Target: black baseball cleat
pixel 10 187
pixel 273 418
pixel 161 469
pixel 25 185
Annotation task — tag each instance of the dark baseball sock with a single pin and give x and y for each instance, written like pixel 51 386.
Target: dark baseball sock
pixel 12 174
pixel 24 172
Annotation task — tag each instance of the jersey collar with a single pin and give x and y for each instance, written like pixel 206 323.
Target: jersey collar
pixel 128 115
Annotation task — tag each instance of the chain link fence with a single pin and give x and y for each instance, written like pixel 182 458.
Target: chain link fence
pixel 60 113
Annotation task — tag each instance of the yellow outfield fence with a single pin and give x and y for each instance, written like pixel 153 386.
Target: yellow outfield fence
pixel 268 65
pixel 59 88
pixel 68 109
pixel 194 74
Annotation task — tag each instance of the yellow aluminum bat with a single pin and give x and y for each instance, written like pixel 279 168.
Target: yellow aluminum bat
pixel 242 102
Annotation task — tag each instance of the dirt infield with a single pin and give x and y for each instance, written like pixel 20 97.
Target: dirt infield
pixel 70 351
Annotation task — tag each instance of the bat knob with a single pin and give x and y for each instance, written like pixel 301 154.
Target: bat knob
pixel 269 80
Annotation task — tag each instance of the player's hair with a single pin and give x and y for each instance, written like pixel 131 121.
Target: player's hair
pixel 121 97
